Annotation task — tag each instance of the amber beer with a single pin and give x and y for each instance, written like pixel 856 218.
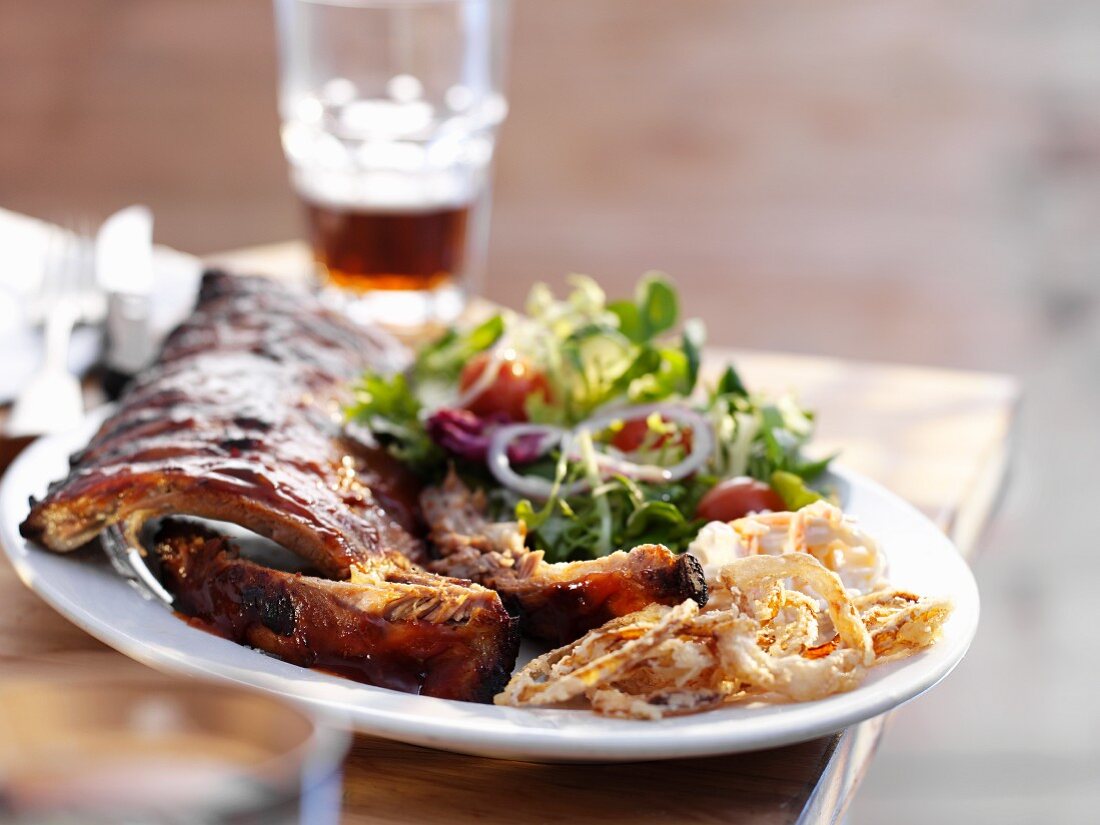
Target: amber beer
pixel 361 250
pixel 389 113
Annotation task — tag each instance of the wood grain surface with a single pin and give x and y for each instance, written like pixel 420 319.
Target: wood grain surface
pixel 939 438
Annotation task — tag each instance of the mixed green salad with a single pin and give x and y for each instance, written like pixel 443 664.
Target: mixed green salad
pixel 588 420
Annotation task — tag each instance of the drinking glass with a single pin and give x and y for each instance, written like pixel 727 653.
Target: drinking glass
pixel 155 751
pixel 390 110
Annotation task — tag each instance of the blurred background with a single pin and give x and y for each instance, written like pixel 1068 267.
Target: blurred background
pixel 888 180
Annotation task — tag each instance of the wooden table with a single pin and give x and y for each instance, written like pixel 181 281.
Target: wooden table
pixel 939 438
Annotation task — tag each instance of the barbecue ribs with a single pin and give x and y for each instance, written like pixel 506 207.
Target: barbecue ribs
pixel 240 421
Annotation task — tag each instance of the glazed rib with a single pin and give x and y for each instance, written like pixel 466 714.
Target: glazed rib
pixel 391 626
pixel 240 420
pixel 556 602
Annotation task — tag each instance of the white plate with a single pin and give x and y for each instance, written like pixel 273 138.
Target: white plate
pixel 92 596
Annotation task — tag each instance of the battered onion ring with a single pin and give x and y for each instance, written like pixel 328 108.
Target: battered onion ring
pixel 901 623
pixel 791 676
pixel 822 530
pixel 597 658
pixel 764 642
pixel 747 573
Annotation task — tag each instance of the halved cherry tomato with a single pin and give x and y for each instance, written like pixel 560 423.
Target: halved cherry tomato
pixel 735 498
pixel 507 395
pixel 635 431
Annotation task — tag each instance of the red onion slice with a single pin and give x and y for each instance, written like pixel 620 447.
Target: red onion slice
pixel 534 487
pixel 539 488
pixel 702 441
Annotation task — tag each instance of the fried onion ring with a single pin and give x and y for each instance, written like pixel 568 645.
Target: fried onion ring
pixel 765 640
pixel 597 658
pixel 745 574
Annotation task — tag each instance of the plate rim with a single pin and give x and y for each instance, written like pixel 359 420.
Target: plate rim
pixel 432 725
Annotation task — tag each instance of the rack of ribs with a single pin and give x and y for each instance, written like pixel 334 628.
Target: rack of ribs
pixel 240 421
pixel 390 625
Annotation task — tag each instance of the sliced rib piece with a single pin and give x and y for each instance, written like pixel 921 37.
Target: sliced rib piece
pixel 391 625
pixel 240 420
pixel 556 602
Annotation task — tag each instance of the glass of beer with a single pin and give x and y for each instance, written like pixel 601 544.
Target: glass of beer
pixel 390 110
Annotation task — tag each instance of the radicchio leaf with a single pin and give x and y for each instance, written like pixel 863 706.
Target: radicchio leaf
pixel 467 435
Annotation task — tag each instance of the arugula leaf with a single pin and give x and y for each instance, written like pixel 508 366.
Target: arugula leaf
pixel 771 427
pixel 655 309
pixel 692 340
pixel 570 530
pixel 444 359
pixel 809 470
pixel 647 362
pixel 731 384
pixel 671 377
pixel 630 320
pixel 390 398
pixel 653 515
pixel 532 518
pixel 390 409
pixel 658 304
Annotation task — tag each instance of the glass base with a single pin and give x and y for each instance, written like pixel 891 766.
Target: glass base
pixel 404 311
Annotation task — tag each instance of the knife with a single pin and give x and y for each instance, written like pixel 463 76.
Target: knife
pixel 124 269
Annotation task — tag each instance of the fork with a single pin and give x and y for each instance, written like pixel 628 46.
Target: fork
pixel 53 400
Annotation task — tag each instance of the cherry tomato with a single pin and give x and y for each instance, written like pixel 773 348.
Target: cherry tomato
pixel 515 381
pixel 635 431
pixel 737 497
